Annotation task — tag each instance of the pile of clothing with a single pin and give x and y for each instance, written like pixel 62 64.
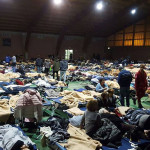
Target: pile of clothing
pixel 57 129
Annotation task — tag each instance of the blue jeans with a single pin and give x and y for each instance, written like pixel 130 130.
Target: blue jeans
pixel 14 90
pixel 63 75
pixel 7 90
pixel 39 69
pixel 124 92
pixel 4 83
pixel 14 68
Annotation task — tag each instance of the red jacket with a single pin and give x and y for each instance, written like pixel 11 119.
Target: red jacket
pixel 141 81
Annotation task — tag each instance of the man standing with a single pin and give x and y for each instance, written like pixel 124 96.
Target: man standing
pixel 63 69
pixel 140 84
pixel 14 63
pixel 39 64
pixel 7 59
pixel 56 67
pixel 47 66
pixel 124 80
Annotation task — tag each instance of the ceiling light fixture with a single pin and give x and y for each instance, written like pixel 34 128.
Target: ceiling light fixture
pixel 99 5
pixel 133 11
pixel 57 2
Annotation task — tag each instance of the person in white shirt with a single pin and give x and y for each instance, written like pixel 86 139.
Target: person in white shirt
pixel 13 63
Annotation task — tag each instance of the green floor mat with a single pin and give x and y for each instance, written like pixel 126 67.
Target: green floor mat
pixel 77 85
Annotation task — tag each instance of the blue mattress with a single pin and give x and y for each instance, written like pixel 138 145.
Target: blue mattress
pixel 48 103
pixel 57 100
pixel 60 147
pixel 125 144
pixel 79 90
pixel 83 108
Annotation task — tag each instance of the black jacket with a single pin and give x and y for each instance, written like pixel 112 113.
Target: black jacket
pixel 108 134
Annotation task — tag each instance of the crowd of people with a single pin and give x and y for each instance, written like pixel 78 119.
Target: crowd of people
pixel 105 106
pixel 124 80
pixel 41 65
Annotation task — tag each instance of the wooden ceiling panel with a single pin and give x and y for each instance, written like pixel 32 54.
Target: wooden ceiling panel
pixel 19 15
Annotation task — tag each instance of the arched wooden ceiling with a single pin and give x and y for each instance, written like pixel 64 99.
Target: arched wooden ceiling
pixel 73 17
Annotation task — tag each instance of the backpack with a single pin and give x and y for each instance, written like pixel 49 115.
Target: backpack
pixel 126 77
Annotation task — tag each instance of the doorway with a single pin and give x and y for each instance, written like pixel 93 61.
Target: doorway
pixel 68 54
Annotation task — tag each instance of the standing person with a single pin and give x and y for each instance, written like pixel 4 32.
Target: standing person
pixel 63 68
pixel 47 66
pixel 7 59
pixel 56 67
pixel 124 80
pixel 14 63
pixel 140 84
pixel 39 64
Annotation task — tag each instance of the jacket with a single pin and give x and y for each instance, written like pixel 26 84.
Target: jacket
pixel 56 65
pixel 29 105
pixel 7 59
pixel 47 65
pixel 108 133
pixel 141 81
pixel 134 116
pixel 124 78
pixel 99 88
pixel 63 65
pixel 112 101
pixel 13 59
pixel 39 62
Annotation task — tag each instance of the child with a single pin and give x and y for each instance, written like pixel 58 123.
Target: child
pixel 103 100
pixel 111 98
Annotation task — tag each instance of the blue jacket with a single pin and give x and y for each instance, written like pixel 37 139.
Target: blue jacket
pixel 63 65
pixel 39 62
pixel 7 59
pixel 99 88
pixel 124 78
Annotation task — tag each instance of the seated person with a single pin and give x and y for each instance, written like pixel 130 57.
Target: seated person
pixel 101 86
pixel 21 71
pixel 111 98
pixel 91 119
pixel 103 100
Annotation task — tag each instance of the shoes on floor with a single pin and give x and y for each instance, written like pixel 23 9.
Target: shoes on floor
pixel 140 106
pixel 134 101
